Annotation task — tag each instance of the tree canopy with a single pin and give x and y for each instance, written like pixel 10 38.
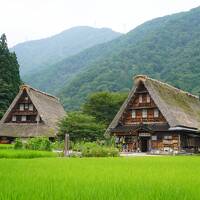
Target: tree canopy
pixel 9 75
pixel 104 105
pixel 81 127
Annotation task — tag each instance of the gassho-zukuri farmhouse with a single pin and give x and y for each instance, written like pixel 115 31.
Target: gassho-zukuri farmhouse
pixel 32 113
pixel 157 118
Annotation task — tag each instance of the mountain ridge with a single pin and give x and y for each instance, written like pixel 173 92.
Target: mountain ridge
pixel 37 54
pixel 165 48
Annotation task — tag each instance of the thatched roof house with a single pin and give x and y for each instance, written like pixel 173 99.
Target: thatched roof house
pixel 32 113
pixel 159 107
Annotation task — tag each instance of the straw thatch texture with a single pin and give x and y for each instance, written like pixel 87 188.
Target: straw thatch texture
pixel 49 109
pixel 178 107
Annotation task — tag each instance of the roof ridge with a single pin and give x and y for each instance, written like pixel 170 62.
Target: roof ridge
pixel 145 77
pixel 25 86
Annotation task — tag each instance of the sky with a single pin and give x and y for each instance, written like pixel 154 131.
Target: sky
pixel 24 20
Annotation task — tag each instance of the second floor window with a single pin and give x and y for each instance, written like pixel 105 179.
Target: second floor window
pixel 21 107
pixel 156 113
pixel 14 118
pixel 26 106
pixel 31 107
pixel 133 114
pixel 148 99
pixel 144 113
pixel 140 98
pixel 23 118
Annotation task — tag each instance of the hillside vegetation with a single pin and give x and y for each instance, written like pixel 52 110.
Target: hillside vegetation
pixel 38 54
pixel 166 48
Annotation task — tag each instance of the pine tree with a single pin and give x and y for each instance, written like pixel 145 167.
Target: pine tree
pixel 9 75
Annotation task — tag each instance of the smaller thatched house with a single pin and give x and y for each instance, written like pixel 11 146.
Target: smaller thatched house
pixel 32 113
pixel 157 117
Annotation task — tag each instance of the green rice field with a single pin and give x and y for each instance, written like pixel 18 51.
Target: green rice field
pixel 12 153
pixel 176 177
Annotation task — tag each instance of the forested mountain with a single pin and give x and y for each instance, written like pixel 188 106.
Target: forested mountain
pixel 9 76
pixel 166 48
pixel 34 55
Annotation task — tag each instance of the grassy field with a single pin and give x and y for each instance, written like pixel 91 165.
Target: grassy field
pixel 100 178
pixel 12 153
pixel 6 146
pixel 8 151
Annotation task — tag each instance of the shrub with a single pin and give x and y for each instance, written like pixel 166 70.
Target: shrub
pixel 45 144
pixel 38 143
pixel 75 155
pixel 18 144
pixel 79 146
pixel 58 145
pixel 92 149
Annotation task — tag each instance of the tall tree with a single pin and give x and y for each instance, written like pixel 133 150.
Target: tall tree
pixel 104 105
pixel 9 75
pixel 81 127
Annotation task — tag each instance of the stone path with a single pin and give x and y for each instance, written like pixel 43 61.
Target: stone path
pixel 127 154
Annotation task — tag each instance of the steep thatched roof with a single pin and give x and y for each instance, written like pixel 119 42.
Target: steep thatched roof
pixel 179 108
pixel 49 109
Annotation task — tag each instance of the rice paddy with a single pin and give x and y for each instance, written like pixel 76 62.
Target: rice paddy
pixel 12 153
pixel 142 178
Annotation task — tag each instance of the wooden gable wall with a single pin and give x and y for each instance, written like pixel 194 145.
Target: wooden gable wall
pixel 29 113
pixel 141 101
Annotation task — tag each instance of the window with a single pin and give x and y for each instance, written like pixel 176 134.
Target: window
pixel 14 118
pixel 133 114
pixel 144 113
pixel 23 118
pixel 21 107
pixel 154 137
pixel 140 98
pixel 26 106
pixel 168 137
pixel 156 113
pixel 28 117
pixel 26 98
pixel 148 99
pixel 31 107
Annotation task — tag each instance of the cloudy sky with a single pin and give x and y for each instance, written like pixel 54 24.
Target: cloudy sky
pixel 24 20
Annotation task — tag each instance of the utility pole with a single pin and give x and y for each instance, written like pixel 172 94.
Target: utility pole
pixel 66 147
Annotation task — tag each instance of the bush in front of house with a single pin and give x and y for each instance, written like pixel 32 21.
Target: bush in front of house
pixel 93 149
pixel 38 143
pixel 57 145
pixel 18 144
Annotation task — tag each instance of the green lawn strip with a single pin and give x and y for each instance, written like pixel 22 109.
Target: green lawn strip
pixel 12 153
pixel 101 178
pixel 6 146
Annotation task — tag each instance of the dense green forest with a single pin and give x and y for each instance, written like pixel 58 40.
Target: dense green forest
pixel 166 48
pixel 9 76
pixel 37 54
